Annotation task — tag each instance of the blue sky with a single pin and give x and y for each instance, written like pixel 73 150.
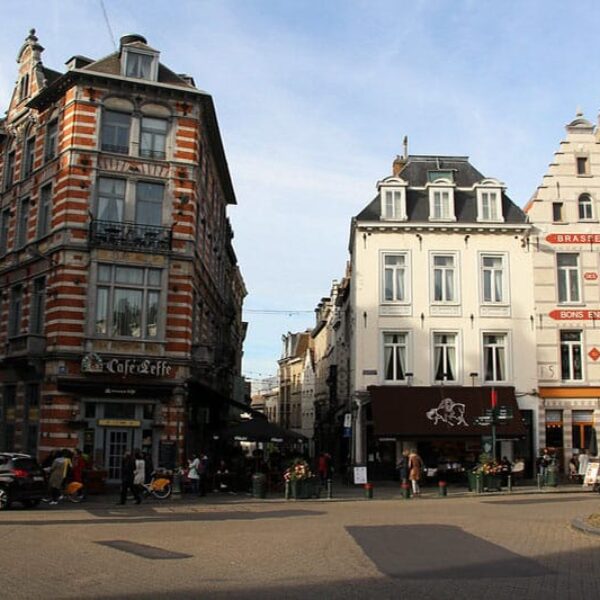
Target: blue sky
pixel 314 98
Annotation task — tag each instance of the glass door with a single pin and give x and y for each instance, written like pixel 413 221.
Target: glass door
pixel 118 441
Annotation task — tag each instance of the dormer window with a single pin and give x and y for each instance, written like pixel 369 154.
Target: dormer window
pixel 393 199
pixel 489 202
pixel 441 201
pixel 140 65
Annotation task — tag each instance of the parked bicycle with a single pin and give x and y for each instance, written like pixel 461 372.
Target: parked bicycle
pixel 160 486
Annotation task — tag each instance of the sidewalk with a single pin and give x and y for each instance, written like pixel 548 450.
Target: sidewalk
pixel 384 490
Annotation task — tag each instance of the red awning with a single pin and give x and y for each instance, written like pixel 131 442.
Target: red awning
pixel 440 411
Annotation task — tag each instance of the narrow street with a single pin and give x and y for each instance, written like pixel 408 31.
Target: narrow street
pixel 522 546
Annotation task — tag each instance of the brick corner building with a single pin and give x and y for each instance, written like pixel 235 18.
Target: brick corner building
pixel 120 292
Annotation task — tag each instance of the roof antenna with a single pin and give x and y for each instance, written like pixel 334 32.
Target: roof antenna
pixel 110 31
pixel 405 145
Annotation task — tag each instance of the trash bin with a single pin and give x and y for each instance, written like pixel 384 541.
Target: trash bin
pixel 442 488
pixel 552 476
pixel 259 485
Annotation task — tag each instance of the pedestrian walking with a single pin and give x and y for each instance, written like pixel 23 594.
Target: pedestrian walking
pixel 402 467
pixel 58 473
pixel 128 467
pixel 415 466
pixel 193 473
pixel 139 473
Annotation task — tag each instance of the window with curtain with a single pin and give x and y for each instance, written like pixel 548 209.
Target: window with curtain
pixel 115 132
pixel 153 137
pixel 394 356
pixel 441 204
pixel 585 207
pixel 111 199
pixel 571 353
pixel 568 277
pixel 127 301
pixel 493 278
pixel 149 203
pixel 444 278
pixel 138 65
pixel 494 356
pixel 395 277
pixel 489 206
pixel 444 357
pixel 392 207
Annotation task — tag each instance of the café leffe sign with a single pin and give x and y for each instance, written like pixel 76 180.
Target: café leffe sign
pixel 94 363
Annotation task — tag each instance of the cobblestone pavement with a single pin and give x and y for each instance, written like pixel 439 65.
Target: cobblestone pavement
pixel 520 546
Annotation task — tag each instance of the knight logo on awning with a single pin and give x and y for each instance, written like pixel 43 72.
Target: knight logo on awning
pixel 573 238
pixel 449 412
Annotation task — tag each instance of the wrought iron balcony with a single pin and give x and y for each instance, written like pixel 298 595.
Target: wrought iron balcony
pixel 130 236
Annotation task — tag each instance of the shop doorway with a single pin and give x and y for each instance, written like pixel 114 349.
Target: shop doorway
pixel 117 442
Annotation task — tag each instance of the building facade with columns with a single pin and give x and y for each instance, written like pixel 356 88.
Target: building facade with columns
pixel 565 212
pixel 120 318
pixel 442 318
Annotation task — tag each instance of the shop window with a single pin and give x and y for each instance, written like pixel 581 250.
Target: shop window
pixel 90 410
pixel 583 423
pixel 554 429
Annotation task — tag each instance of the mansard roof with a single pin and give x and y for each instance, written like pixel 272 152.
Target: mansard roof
pixel 415 173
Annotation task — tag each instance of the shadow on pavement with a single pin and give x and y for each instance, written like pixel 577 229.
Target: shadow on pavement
pixel 135 515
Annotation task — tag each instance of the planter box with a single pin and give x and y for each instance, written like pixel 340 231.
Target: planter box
pixel 492 482
pixel 302 489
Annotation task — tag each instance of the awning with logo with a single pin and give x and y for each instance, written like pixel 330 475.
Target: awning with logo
pixel 440 411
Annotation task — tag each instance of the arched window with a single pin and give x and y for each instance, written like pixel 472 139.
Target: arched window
pixel 585 207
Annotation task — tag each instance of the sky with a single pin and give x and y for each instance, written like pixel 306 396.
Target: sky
pixel 314 98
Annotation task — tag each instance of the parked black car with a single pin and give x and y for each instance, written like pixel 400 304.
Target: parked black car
pixel 21 480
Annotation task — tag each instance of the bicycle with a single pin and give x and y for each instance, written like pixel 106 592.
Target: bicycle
pixel 159 486
pixel 73 492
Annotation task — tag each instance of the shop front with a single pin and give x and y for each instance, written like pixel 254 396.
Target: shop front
pixel 125 405
pixel 440 423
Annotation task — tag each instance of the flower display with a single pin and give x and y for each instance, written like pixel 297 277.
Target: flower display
pixel 298 470
pixel 487 466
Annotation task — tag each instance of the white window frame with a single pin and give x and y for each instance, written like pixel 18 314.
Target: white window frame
pixel 407 278
pixel 432 268
pixel 407 355
pixel 566 271
pixel 495 215
pixel 587 205
pixel 153 65
pixel 458 366
pixel 507 354
pixel 442 187
pixel 505 287
pixel 570 345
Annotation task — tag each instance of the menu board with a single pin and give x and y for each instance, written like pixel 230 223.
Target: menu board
pixel 360 475
pixel 591 473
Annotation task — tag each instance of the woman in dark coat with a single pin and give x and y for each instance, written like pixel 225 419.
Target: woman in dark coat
pixel 402 467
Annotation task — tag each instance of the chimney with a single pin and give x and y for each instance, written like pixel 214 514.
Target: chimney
pixel 398 165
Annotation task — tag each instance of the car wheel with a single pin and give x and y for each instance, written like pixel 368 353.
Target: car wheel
pixel 31 503
pixel 4 499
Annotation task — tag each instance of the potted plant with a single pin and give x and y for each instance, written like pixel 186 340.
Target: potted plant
pixel 301 481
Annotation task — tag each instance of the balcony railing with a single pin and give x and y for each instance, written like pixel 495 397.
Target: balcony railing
pixel 115 148
pixel 130 236
pixel 157 154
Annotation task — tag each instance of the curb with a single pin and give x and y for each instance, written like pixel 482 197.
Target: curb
pixel 580 524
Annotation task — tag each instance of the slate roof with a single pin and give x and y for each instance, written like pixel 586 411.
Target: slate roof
pixel 415 172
